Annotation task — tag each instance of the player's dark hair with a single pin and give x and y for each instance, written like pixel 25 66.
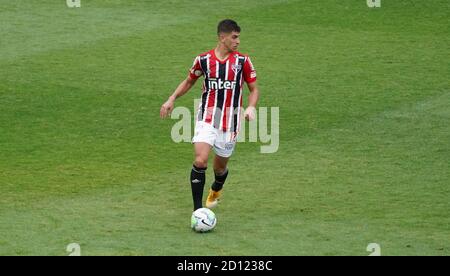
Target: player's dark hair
pixel 228 26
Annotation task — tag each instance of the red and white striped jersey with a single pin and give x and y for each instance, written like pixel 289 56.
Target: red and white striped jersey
pixel 222 88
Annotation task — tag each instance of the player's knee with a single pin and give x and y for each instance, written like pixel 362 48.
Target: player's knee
pixel 201 162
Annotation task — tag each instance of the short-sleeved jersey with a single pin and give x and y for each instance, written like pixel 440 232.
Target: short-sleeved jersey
pixel 222 88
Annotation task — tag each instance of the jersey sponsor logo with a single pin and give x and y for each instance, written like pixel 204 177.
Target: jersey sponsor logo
pixel 218 84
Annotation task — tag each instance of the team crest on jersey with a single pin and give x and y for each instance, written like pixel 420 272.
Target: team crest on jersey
pixel 236 68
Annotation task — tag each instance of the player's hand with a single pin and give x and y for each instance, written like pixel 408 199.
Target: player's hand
pixel 250 113
pixel 166 109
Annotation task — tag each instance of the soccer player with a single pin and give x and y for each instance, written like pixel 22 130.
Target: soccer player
pixel 218 120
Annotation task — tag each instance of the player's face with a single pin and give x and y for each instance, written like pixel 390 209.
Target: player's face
pixel 231 40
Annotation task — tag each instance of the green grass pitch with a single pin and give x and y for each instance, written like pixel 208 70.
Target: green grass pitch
pixel 364 98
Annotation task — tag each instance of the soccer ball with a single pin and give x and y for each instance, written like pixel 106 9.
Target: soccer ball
pixel 203 220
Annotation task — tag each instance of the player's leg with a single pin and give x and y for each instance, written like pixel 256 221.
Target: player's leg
pixel 198 173
pixel 220 171
pixel 201 154
pixel 224 148
pixel 204 138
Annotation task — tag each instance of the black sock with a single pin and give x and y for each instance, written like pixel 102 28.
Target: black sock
pixel 197 185
pixel 220 180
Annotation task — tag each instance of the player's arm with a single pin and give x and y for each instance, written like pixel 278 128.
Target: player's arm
pixel 250 111
pixel 250 79
pixel 182 89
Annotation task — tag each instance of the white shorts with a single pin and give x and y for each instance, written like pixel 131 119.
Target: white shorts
pixel 222 142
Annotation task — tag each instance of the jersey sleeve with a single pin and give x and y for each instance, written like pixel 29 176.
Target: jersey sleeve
pixel 249 71
pixel 196 70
